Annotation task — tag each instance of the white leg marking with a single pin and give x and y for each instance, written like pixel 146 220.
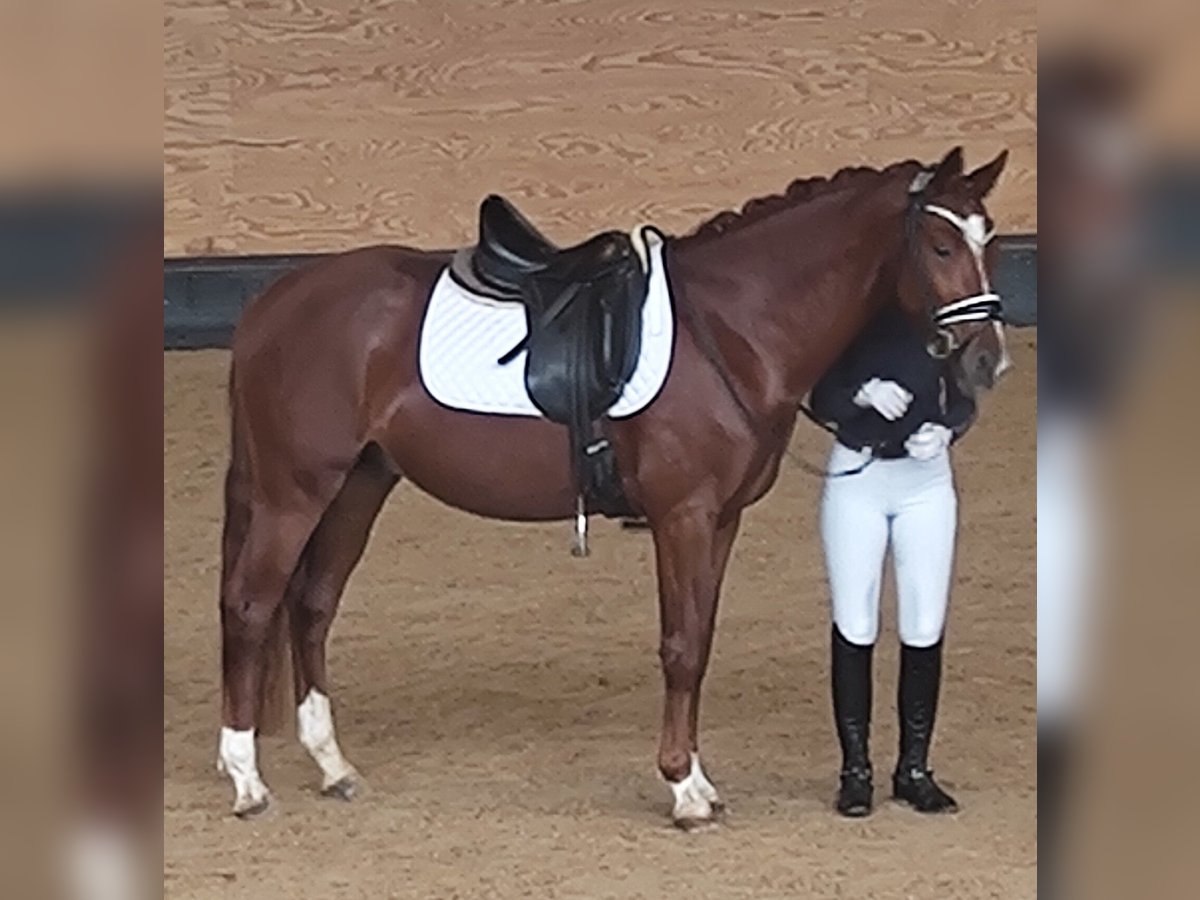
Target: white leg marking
pixel 236 758
pixel 315 719
pixel 706 788
pixel 695 796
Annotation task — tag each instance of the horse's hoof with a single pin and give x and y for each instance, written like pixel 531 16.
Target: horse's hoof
pixel 250 808
pixel 692 824
pixel 346 789
pixel 719 809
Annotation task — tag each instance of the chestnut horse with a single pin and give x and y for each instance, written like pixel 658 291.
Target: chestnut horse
pixel 329 413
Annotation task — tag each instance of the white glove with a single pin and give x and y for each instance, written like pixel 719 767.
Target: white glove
pixel 928 441
pixel 886 397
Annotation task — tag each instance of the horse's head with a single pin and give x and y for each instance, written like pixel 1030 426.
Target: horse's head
pixel 945 279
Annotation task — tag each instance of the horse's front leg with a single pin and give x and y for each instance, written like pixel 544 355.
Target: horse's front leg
pixel 692 552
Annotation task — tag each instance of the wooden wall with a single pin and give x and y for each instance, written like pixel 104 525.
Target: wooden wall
pixel 327 124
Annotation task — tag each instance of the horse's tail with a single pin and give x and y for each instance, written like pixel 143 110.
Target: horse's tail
pixel 273 700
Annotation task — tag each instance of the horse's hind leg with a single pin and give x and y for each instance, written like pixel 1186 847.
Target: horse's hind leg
pixel 331 555
pixel 261 557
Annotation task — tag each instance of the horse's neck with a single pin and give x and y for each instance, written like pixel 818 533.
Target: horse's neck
pixel 797 312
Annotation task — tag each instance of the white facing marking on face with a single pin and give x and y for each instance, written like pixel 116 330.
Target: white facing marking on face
pixel 975 232
pixel 1005 362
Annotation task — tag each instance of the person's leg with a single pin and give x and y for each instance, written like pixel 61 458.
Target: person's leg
pixel 850 668
pixel 854 529
pixel 923 532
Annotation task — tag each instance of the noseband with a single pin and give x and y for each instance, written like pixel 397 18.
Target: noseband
pixel 981 307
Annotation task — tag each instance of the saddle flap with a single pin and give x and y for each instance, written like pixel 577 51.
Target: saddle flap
pixel 580 357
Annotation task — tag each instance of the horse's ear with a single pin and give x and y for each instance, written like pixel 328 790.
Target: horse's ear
pixel 983 179
pixel 948 169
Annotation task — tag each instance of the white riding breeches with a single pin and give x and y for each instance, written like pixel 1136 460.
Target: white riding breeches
pixel 910 503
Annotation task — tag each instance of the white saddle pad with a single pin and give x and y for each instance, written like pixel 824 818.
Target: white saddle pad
pixel 464 335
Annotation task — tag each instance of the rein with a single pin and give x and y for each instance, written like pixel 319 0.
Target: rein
pixel 809 467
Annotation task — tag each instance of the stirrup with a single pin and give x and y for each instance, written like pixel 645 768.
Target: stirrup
pixel 580 548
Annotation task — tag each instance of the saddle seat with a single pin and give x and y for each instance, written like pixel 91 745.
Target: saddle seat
pixel 583 307
pixel 511 250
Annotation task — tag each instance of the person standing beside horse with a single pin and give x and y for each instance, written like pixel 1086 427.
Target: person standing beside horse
pixel 895 407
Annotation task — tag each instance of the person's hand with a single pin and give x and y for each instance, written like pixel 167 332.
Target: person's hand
pixel 885 397
pixel 928 441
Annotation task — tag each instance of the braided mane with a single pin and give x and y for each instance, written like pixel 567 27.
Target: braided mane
pixel 799 191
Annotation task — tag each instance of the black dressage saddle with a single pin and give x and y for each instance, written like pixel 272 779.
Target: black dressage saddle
pixel 511 250
pixel 583 305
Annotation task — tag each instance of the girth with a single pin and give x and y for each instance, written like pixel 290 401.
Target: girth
pixel 583 307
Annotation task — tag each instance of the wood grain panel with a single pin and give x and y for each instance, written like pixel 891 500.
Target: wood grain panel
pixel 326 124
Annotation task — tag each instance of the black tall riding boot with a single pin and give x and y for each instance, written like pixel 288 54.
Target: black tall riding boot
pixel 851 671
pixel 917 698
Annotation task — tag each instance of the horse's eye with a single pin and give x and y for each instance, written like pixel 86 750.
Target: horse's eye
pixel 942 251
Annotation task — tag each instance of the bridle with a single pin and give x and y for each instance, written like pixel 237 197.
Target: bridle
pixel 982 307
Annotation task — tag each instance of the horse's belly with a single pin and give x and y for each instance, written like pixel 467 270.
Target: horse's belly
pixel 502 467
